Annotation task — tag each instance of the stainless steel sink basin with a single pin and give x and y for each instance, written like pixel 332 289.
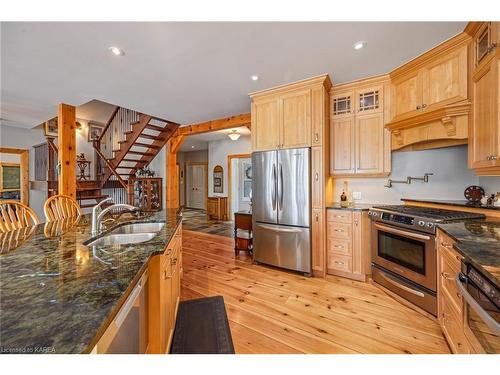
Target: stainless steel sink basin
pixel 121 239
pixel 139 228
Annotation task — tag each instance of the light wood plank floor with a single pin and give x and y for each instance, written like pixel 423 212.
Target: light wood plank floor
pixel 274 311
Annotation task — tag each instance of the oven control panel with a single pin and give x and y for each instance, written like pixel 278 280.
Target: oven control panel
pixel 401 219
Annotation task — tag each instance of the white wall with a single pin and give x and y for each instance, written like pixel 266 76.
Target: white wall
pixel 218 152
pixel 451 177
pixel 11 136
pixel 83 145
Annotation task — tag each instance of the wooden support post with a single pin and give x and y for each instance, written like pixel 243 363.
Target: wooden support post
pixel 66 131
pixel 172 177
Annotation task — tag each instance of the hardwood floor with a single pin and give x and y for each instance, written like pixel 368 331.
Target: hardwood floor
pixel 274 311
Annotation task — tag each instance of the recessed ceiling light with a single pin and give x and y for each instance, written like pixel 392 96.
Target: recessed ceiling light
pixel 359 45
pixel 116 51
pixel 254 78
pixel 192 146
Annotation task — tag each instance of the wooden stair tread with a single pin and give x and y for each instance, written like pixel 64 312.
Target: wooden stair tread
pixel 140 153
pixel 149 136
pixel 133 160
pixel 156 128
pixel 140 144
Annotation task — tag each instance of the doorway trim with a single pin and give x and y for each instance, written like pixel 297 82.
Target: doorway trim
pixel 205 166
pixel 24 161
pixel 229 169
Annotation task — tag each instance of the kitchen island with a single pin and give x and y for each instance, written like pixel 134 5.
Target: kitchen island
pixel 60 296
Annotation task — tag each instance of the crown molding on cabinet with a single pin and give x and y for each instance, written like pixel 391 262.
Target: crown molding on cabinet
pixel 323 78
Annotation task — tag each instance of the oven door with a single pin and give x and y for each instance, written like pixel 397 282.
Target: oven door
pixel 404 252
pixel 481 317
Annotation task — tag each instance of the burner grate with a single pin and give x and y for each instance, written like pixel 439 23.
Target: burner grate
pixel 431 213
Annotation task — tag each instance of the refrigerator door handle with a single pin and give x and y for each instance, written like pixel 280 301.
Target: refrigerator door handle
pixel 274 187
pixel 280 185
pixel 279 230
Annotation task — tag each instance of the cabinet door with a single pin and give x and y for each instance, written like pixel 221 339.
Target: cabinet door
pixel 342 104
pixel 175 295
pixel 165 307
pixel 369 100
pixel 445 80
pixel 407 95
pixel 318 238
pixel 485 133
pixel 317 177
pixel 369 143
pixel 318 121
pixel 265 124
pixel 296 119
pixel 342 146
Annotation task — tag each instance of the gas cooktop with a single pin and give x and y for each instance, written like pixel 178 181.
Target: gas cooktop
pixel 419 218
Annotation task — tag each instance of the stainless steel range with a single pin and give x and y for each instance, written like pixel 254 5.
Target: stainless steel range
pixel 404 250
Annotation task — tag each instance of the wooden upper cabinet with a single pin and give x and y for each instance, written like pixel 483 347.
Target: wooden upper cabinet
pixel 358 141
pixel 291 116
pixel 369 134
pixel 484 137
pixel 265 124
pixel 296 119
pixel 407 92
pixel 444 80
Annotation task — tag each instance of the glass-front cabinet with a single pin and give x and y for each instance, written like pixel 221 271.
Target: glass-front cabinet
pixel 147 194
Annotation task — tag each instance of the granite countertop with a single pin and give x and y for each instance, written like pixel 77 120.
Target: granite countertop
pixel 60 295
pixel 461 203
pixel 352 207
pixel 479 242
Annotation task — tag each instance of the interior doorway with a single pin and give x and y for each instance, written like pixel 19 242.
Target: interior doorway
pixel 239 183
pixel 196 185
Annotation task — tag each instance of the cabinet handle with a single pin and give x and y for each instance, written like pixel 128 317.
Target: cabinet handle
pixel 173 262
pixel 339 216
pixel 445 244
pixel 338 246
pixel 338 230
pixel 491 157
pixel 424 106
pixel 356 222
pixel 317 217
pixel 491 47
pixel 337 262
pixel 316 137
pixel 316 176
pixel 165 275
pixel 418 107
pixel 445 275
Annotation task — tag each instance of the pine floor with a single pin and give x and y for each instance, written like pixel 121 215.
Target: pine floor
pixel 273 311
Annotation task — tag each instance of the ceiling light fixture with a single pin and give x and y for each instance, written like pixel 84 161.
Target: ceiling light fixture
pixel 116 51
pixel 234 135
pixel 359 45
pixel 254 78
pixel 192 146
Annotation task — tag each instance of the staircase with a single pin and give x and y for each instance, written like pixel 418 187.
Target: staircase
pixel 89 193
pixel 130 141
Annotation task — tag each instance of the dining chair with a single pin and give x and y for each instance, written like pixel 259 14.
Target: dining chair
pixel 15 215
pixel 61 207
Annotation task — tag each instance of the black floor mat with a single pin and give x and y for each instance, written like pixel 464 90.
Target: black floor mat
pixel 202 328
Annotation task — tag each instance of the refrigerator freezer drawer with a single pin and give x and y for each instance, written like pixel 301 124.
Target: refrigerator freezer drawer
pixel 283 246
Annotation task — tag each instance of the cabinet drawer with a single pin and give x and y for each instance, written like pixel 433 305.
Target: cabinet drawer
pixel 447 277
pixel 453 329
pixel 339 216
pixel 445 247
pixel 340 262
pixel 339 247
pixel 339 230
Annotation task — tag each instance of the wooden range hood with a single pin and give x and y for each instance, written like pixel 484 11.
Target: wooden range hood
pixel 430 103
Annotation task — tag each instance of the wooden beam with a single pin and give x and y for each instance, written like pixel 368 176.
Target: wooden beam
pixel 172 178
pixel 176 143
pixel 66 131
pixel 219 124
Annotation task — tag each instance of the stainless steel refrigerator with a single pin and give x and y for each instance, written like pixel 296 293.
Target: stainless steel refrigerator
pixel 281 208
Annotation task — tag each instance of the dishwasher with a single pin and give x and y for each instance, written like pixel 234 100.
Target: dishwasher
pixel 128 332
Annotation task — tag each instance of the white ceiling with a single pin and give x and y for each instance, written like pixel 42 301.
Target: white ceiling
pixel 200 141
pixel 190 72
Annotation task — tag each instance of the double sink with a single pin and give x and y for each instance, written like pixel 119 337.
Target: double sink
pixel 128 234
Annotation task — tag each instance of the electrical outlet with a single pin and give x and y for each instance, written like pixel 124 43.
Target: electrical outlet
pixel 356 195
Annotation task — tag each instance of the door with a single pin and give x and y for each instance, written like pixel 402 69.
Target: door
pixel 264 186
pixel 195 186
pixel 485 143
pixel 283 246
pixel 445 80
pixel 265 124
pixel 296 119
pixel 342 146
pixel 407 93
pixel 369 143
pixel 294 187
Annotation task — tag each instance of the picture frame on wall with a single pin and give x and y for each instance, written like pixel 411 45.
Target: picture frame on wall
pixel 50 128
pixel 95 131
pixel 218 176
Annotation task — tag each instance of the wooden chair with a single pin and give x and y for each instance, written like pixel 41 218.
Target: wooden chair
pixel 60 207
pixel 243 240
pixel 15 215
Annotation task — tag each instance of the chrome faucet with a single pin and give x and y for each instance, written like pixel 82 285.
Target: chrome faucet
pixel 98 213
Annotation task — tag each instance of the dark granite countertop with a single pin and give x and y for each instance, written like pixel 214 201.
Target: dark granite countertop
pixel 352 207
pixel 461 203
pixel 479 242
pixel 59 294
